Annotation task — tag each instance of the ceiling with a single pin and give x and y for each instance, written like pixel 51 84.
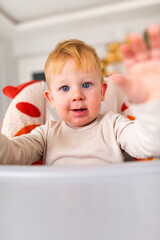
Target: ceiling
pixel 21 16
pixel 23 11
pixel 20 11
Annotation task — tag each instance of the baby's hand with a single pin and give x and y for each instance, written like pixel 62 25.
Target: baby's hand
pixel 142 83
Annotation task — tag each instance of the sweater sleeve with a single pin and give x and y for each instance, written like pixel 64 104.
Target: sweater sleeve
pixel 141 138
pixel 24 149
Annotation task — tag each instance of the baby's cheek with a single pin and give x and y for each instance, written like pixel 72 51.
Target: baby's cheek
pixel 96 105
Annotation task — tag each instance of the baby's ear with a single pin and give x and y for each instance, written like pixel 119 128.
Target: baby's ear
pixel 48 95
pixel 103 90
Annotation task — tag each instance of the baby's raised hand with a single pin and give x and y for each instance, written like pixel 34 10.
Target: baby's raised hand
pixel 142 83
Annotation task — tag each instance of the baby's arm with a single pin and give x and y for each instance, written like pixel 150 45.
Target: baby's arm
pixel 24 149
pixel 142 87
pixel 140 138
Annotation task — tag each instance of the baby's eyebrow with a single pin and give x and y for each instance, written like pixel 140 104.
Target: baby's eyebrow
pixel 61 82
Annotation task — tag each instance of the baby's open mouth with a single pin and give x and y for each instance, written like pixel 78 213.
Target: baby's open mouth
pixel 79 110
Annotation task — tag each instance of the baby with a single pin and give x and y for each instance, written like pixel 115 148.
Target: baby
pixel 75 89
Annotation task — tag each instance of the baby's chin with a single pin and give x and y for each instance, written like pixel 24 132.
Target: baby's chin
pixel 79 125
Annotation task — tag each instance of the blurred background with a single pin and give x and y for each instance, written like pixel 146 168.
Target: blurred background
pixel 30 29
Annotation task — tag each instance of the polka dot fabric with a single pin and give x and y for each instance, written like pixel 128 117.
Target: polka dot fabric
pixel 27 109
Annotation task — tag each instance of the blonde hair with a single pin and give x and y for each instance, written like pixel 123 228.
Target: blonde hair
pixel 85 56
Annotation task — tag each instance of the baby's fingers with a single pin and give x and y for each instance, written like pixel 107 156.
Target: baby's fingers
pixel 154 40
pixel 128 55
pixel 139 47
pixel 135 52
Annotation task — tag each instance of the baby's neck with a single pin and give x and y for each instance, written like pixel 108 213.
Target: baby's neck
pixel 77 127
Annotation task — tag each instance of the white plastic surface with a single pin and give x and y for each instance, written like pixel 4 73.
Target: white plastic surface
pixel 116 202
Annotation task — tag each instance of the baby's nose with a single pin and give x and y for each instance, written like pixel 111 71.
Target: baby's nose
pixel 77 96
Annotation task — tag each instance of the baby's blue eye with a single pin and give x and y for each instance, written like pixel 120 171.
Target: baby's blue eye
pixel 86 85
pixel 65 88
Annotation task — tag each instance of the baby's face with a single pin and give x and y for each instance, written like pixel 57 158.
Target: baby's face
pixel 76 96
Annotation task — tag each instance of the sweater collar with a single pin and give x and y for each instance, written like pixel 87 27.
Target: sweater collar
pixel 81 129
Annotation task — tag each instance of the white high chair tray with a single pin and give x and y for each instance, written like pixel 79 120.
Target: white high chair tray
pixel 85 203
